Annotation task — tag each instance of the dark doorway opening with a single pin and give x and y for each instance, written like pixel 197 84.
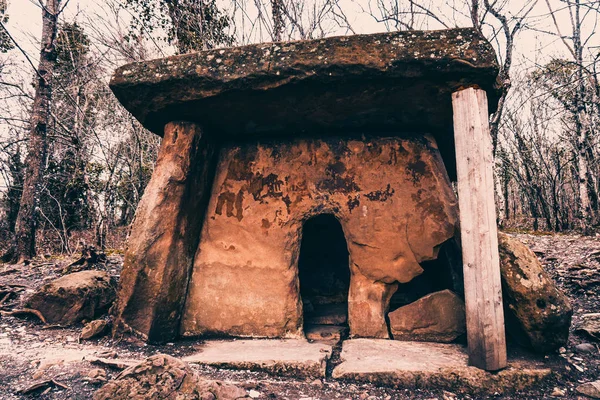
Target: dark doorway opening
pixel 324 278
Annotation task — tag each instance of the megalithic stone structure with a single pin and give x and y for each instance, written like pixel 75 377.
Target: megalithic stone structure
pixel 260 139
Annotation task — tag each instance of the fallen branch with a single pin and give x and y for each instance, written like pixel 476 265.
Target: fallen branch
pixel 114 364
pixel 5 298
pixel 42 265
pixel 8 271
pixel 52 326
pixel 48 384
pixel 25 311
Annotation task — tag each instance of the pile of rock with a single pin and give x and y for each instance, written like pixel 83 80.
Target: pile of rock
pixel 164 377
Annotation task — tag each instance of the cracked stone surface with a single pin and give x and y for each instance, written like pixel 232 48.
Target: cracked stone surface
pixel 421 365
pixel 391 196
pixel 285 357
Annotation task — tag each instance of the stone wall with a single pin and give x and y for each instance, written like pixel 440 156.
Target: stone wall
pixel 392 197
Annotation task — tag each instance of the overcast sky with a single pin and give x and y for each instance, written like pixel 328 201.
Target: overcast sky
pixel 533 48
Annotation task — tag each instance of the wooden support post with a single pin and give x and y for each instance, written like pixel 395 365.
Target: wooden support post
pixel 479 234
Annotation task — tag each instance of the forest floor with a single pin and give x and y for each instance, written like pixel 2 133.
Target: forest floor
pixel 32 352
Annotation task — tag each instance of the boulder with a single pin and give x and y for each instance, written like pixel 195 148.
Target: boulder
pixel 537 313
pixel 94 329
pixel 358 82
pixel 164 377
pixel 437 317
pixel 74 297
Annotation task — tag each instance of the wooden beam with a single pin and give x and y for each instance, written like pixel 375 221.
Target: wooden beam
pixel 479 234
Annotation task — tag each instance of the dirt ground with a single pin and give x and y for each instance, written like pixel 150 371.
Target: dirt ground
pixel 32 352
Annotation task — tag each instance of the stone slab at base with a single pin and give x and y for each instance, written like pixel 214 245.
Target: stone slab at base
pixel 421 365
pixel 328 334
pixel 282 357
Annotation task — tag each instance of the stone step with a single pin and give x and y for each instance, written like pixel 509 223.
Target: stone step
pixel 426 365
pixel 328 314
pixel 291 357
pixel 330 334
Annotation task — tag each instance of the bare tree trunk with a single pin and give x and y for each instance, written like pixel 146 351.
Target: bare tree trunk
pixel 277 10
pixel 179 11
pixel 510 34
pixel 581 127
pixel 36 157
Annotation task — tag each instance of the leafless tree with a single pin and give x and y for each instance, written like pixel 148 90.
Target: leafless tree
pixel 36 155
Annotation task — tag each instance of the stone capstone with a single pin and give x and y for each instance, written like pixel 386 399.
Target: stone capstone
pixel 74 297
pixel 385 82
pixel 537 312
pixel 437 317
pixel 164 377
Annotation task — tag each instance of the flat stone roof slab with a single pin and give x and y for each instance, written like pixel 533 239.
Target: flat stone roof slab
pixel 289 357
pixel 385 82
pixel 429 366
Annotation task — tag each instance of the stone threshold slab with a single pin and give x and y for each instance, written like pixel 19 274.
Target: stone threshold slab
pixel 423 365
pixel 290 357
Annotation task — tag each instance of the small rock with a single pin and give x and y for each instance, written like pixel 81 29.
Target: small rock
pixel 590 389
pixel 590 325
pixel 334 385
pixel 94 329
pixel 586 348
pixel 437 317
pixel 96 375
pixel 448 395
pixel 558 392
pixel 317 382
pixel 254 394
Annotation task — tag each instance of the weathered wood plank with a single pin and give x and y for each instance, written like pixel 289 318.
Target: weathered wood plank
pixel 479 236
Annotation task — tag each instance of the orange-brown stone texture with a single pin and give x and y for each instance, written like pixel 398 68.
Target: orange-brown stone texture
pixel 260 138
pixel 391 195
